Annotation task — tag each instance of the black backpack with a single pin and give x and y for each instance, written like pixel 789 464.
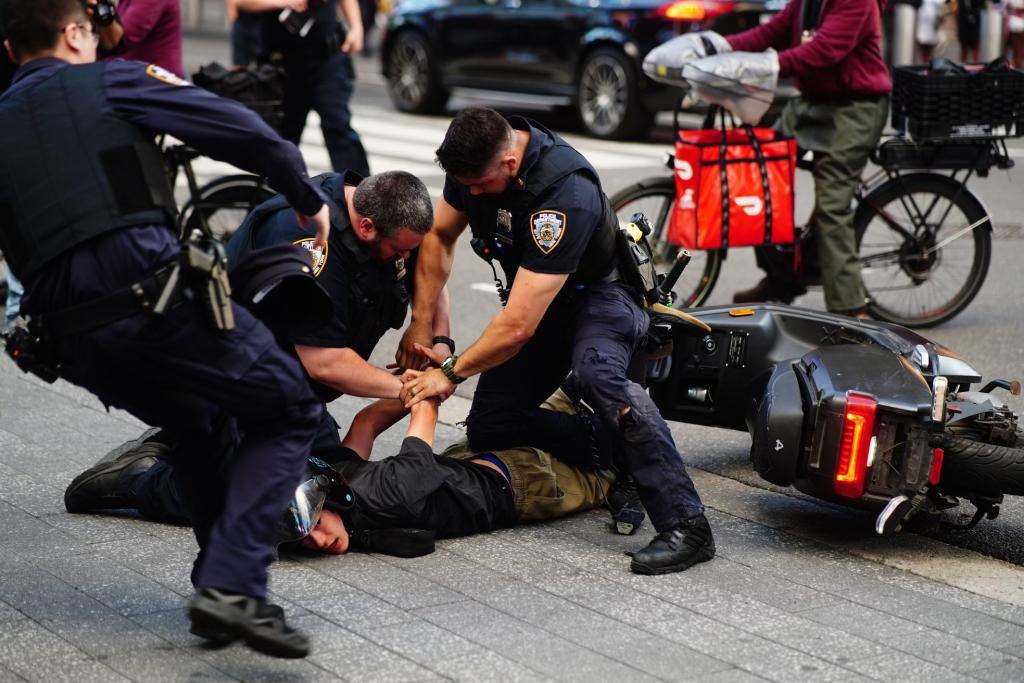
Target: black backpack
pixel 259 88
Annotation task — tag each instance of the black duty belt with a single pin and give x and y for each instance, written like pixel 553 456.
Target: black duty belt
pixel 140 297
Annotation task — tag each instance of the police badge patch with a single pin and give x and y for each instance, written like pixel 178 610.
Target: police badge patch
pixel 165 76
pixel 547 227
pixel 318 256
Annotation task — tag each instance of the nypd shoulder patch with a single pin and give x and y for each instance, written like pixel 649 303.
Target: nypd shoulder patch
pixel 164 76
pixel 318 256
pixel 547 227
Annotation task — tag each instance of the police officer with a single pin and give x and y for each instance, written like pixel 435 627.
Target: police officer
pixel 536 205
pixel 308 40
pixel 86 223
pixel 376 224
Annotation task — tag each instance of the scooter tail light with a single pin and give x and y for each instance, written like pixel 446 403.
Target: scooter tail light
pixel 685 10
pixel 935 473
pixel 855 445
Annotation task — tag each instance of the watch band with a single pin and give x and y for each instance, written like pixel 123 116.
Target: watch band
pixel 448 368
pixel 447 341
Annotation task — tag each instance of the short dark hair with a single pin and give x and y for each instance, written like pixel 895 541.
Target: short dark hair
pixel 475 137
pixel 33 26
pixel 394 200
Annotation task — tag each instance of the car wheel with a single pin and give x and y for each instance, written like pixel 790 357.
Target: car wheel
pixel 413 80
pixel 608 99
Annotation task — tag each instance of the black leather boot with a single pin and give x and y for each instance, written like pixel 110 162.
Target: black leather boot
pixel 677 549
pixel 108 485
pixel 224 617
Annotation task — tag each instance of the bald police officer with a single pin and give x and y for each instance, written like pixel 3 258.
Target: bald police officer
pixel 86 224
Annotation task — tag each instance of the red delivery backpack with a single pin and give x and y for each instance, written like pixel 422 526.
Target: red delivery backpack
pixel 734 188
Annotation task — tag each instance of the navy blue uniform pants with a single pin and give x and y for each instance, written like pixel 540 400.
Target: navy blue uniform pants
pixel 178 373
pixel 595 337
pixel 325 86
pixel 156 490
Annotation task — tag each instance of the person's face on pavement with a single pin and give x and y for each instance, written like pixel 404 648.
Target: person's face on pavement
pixel 329 535
pixel 387 248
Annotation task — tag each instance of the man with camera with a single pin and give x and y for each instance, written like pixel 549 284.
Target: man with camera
pixel 308 40
pixel 118 307
pixel 144 30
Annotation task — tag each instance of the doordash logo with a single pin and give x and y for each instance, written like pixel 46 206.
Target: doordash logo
pixel 683 169
pixel 751 205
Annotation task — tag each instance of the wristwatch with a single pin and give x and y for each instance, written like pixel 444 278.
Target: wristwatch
pixel 447 341
pixel 448 368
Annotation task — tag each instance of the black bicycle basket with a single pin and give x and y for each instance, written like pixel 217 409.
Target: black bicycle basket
pixel 944 100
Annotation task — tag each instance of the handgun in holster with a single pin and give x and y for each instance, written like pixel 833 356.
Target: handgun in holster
pixel 202 265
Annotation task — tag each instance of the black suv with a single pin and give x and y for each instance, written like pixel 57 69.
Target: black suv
pixel 584 53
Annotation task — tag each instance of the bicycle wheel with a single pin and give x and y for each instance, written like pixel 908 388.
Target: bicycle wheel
pixel 654 198
pixel 224 202
pixel 924 242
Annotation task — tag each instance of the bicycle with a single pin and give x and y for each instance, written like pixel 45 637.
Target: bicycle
pixel 218 207
pixel 920 233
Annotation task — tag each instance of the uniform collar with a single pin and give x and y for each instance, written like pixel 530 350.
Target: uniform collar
pixel 33 71
pixel 540 140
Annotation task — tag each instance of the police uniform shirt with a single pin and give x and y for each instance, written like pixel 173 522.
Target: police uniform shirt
pixel 158 101
pixel 549 234
pixel 369 297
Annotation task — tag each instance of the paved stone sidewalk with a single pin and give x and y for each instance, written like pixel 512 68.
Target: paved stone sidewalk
pixel 86 598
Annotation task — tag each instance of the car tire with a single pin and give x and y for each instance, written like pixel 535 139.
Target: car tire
pixel 413 78
pixel 608 97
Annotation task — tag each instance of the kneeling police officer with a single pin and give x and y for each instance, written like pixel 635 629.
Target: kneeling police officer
pixel 86 222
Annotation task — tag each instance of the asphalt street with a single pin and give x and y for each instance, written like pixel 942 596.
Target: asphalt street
pixel 800 590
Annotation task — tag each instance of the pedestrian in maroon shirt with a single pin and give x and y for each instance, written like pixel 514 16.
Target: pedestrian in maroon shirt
pixel 832 48
pixel 144 30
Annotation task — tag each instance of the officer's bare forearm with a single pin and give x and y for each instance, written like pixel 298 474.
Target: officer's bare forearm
pixel 433 268
pixel 345 371
pixel 370 422
pixel 441 321
pixel 502 339
pixel 262 5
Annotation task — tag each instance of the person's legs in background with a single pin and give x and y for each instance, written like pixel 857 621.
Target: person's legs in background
pixel 331 91
pixel 837 173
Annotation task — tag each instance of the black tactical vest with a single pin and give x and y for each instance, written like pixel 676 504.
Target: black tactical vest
pixel 554 164
pixel 376 291
pixel 71 170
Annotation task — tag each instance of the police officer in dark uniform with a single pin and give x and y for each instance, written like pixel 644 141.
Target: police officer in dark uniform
pixel 376 224
pixel 308 40
pixel 535 204
pixel 86 223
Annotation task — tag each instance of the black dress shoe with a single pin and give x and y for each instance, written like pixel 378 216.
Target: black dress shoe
pixel 677 549
pixel 109 485
pixel 224 617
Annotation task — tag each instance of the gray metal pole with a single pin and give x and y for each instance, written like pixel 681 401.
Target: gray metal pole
pixel 904 30
pixel 990 42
